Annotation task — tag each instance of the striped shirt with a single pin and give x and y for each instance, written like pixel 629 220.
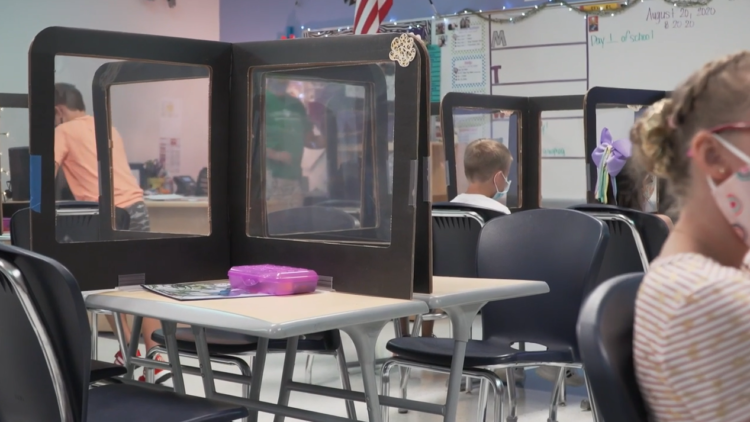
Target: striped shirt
pixel 692 340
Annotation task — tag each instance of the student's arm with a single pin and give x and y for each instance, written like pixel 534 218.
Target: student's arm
pixel 667 220
pixel 280 156
pixel 61 147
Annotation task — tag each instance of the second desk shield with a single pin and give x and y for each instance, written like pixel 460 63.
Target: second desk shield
pixel 362 216
pixel 616 109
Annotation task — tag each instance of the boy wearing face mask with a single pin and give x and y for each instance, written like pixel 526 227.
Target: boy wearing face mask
pixel 486 165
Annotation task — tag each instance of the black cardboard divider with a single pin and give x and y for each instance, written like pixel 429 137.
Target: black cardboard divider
pixel 102 265
pixel 363 269
pixel 603 97
pixel 237 188
pixel 14 100
pixel 423 221
pixel 528 153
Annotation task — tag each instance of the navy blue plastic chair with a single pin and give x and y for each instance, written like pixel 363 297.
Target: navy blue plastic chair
pixel 309 220
pixel 45 360
pixel 455 237
pixel 83 228
pixel 486 213
pixel 605 338
pixel 653 232
pixel 563 248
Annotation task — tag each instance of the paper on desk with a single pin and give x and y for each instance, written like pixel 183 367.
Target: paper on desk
pixel 199 291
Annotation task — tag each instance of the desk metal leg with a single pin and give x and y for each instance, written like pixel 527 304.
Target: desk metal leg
pixel 170 332
pixel 365 337
pixel 287 375
pixel 462 318
pixel 94 335
pixel 128 350
pixel 204 359
pixel 259 365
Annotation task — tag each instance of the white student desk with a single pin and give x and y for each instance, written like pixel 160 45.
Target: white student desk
pixel 361 317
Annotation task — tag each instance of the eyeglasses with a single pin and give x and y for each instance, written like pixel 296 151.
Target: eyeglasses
pixel 723 128
pixel 731 126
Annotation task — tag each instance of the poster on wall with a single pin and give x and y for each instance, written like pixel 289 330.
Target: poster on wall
pixel 464 50
pixel 169 155
pixel 170 132
pixel 464 67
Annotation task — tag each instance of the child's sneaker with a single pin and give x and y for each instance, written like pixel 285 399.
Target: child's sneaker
pixel 157 371
pixel 119 360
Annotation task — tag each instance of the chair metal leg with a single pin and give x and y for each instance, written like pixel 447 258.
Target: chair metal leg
pixel 406 372
pixel 247 372
pixel 510 376
pixel 94 335
pixel 556 397
pixel 482 402
pixel 594 407
pixel 351 412
pixel 385 385
pixel 562 401
pixel 497 390
pixel 308 368
pixel 397 328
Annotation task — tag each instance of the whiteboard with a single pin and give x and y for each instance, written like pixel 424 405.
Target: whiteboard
pixel 617 120
pixel 657 46
pixel 562 134
pixel 543 55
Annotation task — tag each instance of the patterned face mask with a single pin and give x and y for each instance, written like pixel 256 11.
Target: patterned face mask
pixel 733 195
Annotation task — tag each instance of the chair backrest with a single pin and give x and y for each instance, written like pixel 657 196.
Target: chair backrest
pixel 76 222
pixel 561 247
pixel 201 185
pixel 455 236
pixel 653 230
pixel 605 338
pixel 20 228
pixel 309 220
pixel 625 251
pixel 486 213
pixel 46 356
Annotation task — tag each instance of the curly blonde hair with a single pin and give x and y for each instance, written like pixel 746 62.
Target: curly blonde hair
pixel 718 93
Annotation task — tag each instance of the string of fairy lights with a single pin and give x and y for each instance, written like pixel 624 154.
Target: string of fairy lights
pixel 604 10
pixel 610 9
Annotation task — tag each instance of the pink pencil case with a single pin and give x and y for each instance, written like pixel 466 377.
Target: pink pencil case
pixel 273 279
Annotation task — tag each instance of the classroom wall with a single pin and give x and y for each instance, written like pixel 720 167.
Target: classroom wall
pixel 21 20
pixel 255 20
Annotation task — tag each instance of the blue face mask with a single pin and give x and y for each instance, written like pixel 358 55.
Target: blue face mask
pixel 498 193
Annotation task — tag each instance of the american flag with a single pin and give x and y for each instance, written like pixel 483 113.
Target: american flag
pixel 370 14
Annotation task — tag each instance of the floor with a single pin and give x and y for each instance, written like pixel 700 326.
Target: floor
pixel 429 387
